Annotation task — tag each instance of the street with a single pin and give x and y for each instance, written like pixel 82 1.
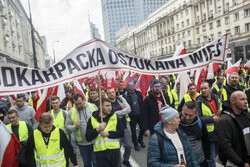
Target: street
pixel 137 159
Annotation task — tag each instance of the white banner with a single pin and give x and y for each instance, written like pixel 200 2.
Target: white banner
pixel 97 55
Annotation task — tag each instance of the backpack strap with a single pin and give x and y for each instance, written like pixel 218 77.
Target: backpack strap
pixel 199 123
pixel 160 144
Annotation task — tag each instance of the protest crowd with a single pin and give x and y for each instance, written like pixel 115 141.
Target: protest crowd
pixel 193 121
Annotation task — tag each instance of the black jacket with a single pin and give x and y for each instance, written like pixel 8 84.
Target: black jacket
pixel 231 145
pixel 150 111
pixel 129 100
pixel 64 143
pixel 230 90
pixel 197 131
pixel 91 133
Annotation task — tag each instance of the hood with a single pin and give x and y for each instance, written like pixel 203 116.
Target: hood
pixel 158 128
pixel 193 123
pixel 226 107
pixel 23 108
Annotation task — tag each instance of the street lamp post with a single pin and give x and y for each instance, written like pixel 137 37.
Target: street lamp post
pixel 33 39
pixel 54 50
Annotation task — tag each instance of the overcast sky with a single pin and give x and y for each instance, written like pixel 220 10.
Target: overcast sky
pixel 66 21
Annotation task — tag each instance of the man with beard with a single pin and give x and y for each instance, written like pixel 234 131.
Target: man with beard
pixel 191 96
pixel 231 87
pixel 121 108
pixel 152 105
pixel 209 109
pixel 196 131
pixel 234 132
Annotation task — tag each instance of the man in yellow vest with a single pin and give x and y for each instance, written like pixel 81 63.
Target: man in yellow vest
pixel 231 87
pixel 176 95
pixel 209 109
pixel 48 145
pixel 59 115
pixel 190 96
pixel 121 108
pixel 21 129
pixel 105 135
pixel 216 87
pixel 77 122
pixel 34 100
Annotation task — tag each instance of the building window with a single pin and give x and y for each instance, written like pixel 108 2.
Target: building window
pixel 170 48
pixel 237 30
pixel 234 2
pixel 203 28
pixel 183 35
pixel 177 26
pixel 219 9
pixel 247 12
pixel 196 8
pixel 227 7
pixel 181 14
pixel 203 5
pixel 173 38
pixel 204 16
pixel 176 16
pixel 247 26
pixel 188 33
pixel 219 34
pixel 212 37
pixel 228 31
pixel 218 23
pixel 179 36
pixel 227 20
pixel 236 16
pixel 197 30
pixel 189 43
pixel 187 22
pixel 210 26
pixel 211 2
pixel 182 24
pixel 187 12
pixel 198 40
pixel 205 39
pixel 184 43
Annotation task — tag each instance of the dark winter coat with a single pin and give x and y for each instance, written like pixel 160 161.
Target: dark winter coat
pixel 231 144
pixel 170 158
pixel 150 111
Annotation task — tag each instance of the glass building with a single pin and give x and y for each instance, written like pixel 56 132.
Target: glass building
pixel 125 13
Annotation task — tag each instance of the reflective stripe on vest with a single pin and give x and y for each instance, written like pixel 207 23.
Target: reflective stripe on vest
pixel 207 112
pixel 22 130
pixel 48 156
pixel 176 100
pixel 59 120
pixel 74 120
pixel 104 143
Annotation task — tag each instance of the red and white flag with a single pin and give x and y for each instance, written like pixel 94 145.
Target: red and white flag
pixel 147 53
pixel 59 91
pixel 78 88
pixel 143 84
pixel 248 65
pixel 184 81
pixel 43 103
pixel 180 50
pixel 9 147
pixel 198 78
pixel 233 68
pixel 210 73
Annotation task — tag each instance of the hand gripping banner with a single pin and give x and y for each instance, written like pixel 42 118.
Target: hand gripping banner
pixel 97 55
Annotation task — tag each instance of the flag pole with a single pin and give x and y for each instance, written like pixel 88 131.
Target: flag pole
pixel 222 87
pixel 100 96
pixel 164 98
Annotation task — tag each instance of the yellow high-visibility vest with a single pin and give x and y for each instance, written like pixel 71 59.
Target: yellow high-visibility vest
pixel 59 120
pixel 52 155
pixel 31 103
pixel 176 99
pixel 22 130
pixel 104 143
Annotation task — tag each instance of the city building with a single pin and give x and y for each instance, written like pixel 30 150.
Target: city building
pixel 94 30
pixel 47 57
pixel 15 36
pixel 125 13
pixel 195 23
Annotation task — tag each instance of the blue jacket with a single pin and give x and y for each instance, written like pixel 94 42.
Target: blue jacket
pixel 170 158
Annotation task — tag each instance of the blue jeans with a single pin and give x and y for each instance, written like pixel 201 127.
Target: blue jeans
pixel 213 154
pixel 88 155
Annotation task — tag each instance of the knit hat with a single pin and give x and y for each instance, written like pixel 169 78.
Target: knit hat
pixel 168 113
